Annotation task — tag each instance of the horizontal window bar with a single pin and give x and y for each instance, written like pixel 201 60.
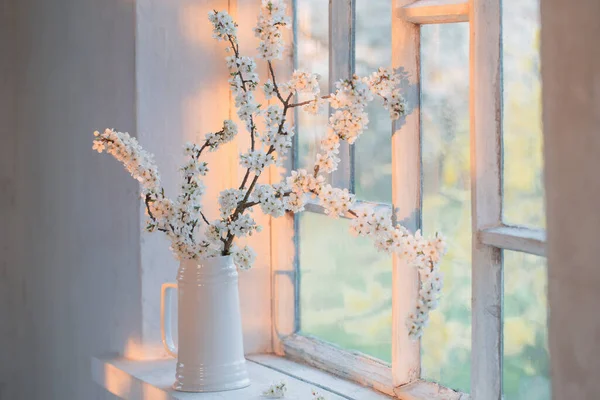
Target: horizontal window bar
pixel 312 205
pixel 517 238
pixel 435 11
pixel 318 378
pixel 424 390
pixel 354 366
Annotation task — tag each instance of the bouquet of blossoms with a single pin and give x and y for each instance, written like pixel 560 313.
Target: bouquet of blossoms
pixel 193 235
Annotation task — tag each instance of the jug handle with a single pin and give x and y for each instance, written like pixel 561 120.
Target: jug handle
pixel 166 331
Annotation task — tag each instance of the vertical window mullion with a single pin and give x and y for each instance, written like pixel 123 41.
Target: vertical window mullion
pixel 285 312
pixel 341 66
pixel 406 197
pixel 486 181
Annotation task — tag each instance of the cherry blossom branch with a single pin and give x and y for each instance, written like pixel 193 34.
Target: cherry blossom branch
pixel 179 218
pixel 243 205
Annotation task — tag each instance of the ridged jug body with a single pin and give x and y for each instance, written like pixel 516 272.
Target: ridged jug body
pixel 210 354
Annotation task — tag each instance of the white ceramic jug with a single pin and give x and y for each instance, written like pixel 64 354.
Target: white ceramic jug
pixel 210 354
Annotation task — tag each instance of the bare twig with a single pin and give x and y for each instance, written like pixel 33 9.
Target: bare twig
pixel 204 218
pixel 279 96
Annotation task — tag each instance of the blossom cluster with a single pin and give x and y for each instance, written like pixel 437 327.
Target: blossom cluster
pixel 256 160
pixel 302 82
pixel 271 200
pixel 347 122
pixel 127 150
pixel 225 135
pixel 223 25
pixel 385 83
pixel 243 77
pixel 176 218
pixel 276 391
pixel 278 133
pixel 243 257
pixel 271 19
pixel 301 181
pixel 419 252
pixel 317 395
pixel 335 201
pixel 350 99
pixel 242 83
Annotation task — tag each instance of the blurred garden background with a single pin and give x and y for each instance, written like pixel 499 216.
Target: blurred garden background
pixel 345 287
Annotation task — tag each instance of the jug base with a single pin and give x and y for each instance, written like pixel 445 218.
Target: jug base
pixel 182 387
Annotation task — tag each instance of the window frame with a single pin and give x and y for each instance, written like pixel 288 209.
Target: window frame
pixel 402 378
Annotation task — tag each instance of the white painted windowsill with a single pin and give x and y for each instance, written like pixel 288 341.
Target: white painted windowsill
pixel 152 380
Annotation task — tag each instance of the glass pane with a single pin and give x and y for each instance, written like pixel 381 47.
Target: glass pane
pixel 446 344
pixel 373 49
pixel 523 161
pixel 345 287
pixel 312 40
pixel 526 364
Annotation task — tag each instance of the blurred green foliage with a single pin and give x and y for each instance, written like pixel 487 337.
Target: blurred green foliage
pixel 345 286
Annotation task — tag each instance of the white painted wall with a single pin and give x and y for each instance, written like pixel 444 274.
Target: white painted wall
pixel 69 285
pixel 77 278
pixel 571 104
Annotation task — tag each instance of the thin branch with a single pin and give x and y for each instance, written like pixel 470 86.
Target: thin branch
pixel 204 218
pixel 303 103
pixel 279 96
pixel 245 179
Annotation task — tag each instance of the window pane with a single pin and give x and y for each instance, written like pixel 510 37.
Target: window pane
pixel 312 39
pixel 526 366
pixel 373 49
pixel 523 161
pixel 345 287
pixel 446 345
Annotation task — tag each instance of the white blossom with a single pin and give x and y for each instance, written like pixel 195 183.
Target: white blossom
pixel 294 202
pixel 301 182
pixel 269 89
pixel 215 232
pixel 225 135
pixel 270 200
pixel 351 93
pixel 348 124
pixel 243 225
pixel 244 257
pixel 223 25
pixel 276 391
pixel 228 201
pixel 315 106
pixel 335 201
pixel 304 82
pixel 384 83
pixel 278 133
pixel 256 161
pixel 126 149
pixel 317 395
pixel 271 19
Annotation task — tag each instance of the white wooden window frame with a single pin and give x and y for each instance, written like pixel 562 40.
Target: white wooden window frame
pixel 402 378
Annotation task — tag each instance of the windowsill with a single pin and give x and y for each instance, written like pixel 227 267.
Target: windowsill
pixel 152 379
